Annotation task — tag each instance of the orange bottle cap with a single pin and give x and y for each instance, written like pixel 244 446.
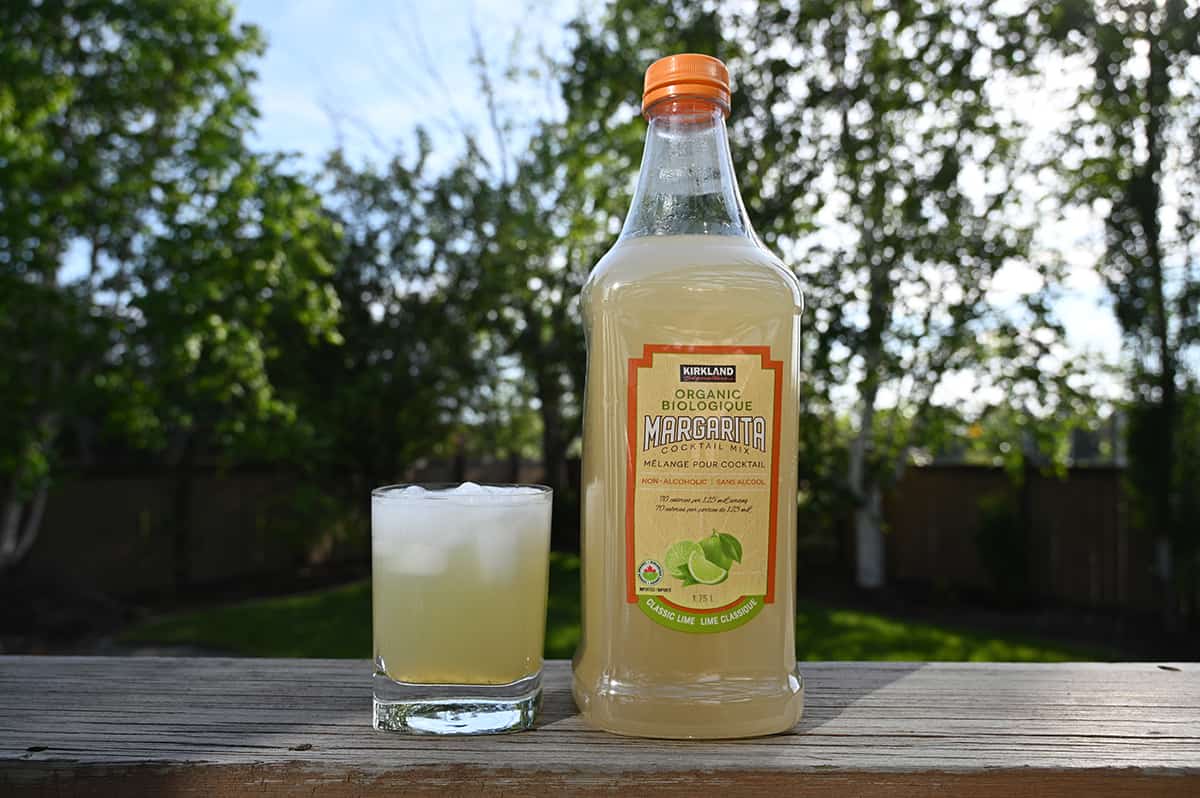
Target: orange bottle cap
pixel 686 75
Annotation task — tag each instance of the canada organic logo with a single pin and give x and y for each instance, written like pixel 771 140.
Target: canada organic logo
pixel 650 572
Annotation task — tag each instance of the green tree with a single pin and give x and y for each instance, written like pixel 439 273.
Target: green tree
pixel 1132 153
pixel 905 172
pixel 238 271
pixel 872 159
pixel 411 354
pixel 168 258
pixel 513 238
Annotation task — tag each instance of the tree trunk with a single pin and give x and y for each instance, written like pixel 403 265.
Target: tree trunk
pixel 459 464
pixel 21 523
pixel 868 540
pixel 181 515
pixel 1149 207
pixel 21 520
pixel 564 534
pixel 1025 579
pixel 864 485
pixel 10 532
pixel 863 481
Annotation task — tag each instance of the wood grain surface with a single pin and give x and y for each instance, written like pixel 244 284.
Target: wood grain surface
pixel 161 726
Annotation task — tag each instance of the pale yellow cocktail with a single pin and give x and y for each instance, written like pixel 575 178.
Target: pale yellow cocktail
pixel 459 582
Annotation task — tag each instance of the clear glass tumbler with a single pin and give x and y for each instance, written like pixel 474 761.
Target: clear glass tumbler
pixel 459 582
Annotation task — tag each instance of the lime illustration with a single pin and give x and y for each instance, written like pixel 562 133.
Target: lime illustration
pixel 705 572
pixel 731 544
pixel 715 551
pixel 713 555
pixel 676 558
pixel 721 548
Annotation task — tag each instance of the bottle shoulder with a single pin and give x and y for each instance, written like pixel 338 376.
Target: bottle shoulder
pixel 692 265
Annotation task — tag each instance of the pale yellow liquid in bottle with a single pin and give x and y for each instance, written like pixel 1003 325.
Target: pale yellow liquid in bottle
pixel 632 675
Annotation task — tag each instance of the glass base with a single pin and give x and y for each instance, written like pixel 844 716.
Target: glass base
pixel 456 708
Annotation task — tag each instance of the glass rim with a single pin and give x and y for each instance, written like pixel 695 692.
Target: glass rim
pixel 437 491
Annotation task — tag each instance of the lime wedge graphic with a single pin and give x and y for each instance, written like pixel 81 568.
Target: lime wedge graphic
pixel 676 558
pixel 703 571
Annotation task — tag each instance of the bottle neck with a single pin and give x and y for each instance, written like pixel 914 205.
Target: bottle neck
pixel 686 185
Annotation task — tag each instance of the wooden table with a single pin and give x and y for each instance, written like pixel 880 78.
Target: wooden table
pixel 157 726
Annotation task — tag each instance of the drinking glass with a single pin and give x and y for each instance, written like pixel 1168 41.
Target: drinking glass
pixel 459 580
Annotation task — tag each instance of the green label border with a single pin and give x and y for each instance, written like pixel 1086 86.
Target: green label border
pixel 682 620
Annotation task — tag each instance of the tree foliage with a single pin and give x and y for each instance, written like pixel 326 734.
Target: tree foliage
pixel 153 261
pixel 410 355
pixel 198 296
pixel 874 159
pixel 1132 152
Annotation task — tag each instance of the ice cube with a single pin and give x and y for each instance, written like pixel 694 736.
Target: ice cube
pixel 413 559
pixel 497 548
pixel 431 523
pixel 511 490
pixel 468 489
pixel 448 527
pixel 399 492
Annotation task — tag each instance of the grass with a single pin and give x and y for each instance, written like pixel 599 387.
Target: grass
pixel 827 633
pixel 337 623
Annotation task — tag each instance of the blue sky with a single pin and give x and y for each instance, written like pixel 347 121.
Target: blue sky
pixel 362 75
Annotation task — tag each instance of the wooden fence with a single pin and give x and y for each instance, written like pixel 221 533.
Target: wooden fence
pixel 1078 544
pixel 111 533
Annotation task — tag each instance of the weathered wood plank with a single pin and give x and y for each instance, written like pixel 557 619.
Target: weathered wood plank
pixel 92 726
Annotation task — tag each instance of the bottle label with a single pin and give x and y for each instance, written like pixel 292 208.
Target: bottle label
pixel 702 484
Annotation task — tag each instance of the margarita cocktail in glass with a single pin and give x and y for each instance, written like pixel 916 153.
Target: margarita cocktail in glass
pixel 459 581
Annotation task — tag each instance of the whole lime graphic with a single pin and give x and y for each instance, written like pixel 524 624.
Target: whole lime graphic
pixel 716 552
